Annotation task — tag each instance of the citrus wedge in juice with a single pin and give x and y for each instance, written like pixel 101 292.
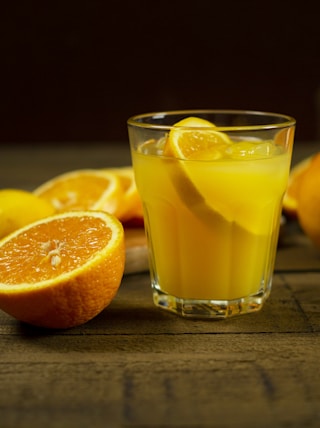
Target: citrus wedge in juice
pixel 238 168
pixel 196 138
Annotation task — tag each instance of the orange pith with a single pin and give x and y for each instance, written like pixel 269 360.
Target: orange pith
pixel 62 271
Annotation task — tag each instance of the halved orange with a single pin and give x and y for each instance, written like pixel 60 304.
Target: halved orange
pixel 62 271
pixel 86 189
pixel 290 202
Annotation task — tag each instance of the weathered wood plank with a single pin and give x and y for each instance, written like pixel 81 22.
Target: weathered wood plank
pixel 295 252
pixel 166 380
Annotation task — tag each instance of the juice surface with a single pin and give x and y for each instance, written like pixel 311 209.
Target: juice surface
pixel 212 225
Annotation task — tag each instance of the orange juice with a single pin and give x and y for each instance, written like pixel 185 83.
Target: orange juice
pixel 212 224
pixel 214 247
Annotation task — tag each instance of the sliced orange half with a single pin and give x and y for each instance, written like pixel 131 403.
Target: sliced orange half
pixel 62 271
pixel 87 189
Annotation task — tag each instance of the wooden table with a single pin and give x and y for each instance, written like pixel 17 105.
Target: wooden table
pixel 137 366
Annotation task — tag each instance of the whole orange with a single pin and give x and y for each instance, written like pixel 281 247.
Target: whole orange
pixel 290 202
pixel 308 201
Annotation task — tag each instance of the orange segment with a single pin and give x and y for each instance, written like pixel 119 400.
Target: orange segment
pixel 131 205
pixel 290 203
pixel 62 271
pixel 86 189
pixel 195 138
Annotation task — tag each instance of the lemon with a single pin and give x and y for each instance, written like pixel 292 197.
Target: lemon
pixel 19 208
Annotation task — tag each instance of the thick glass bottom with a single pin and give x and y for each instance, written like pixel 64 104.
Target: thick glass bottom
pixel 210 309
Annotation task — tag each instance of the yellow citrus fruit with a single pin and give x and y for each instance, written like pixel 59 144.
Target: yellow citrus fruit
pixel 308 200
pixel 19 208
pixel 131 205
pixel 196 138
pixel 290 203
pixel 62 271
pixel 87 189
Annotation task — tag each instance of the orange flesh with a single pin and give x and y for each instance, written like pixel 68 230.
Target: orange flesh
pixel 125 181
pixel 31 256
pixel 89 187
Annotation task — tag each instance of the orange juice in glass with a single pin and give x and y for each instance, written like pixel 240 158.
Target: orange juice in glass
pixel 212 184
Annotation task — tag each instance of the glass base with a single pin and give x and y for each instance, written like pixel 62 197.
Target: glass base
pixel 210 309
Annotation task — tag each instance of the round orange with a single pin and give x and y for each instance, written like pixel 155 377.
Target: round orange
pixel 87 189
pixel 290 203
pixel 62 271
pixel 308 200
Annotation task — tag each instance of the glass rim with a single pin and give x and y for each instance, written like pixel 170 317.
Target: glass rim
pixel 286 122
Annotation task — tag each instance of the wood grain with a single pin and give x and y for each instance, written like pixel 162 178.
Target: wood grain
pixel 135 365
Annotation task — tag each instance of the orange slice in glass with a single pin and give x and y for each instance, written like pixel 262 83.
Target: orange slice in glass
pixel 196 138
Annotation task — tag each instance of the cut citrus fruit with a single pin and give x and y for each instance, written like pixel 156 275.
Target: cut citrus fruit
pixel 19 208
pixel 131 206
pixel 86 189
pixel 290 203
pixel 195 138
pixel 308 200
pixel 198 140
pixel 62 271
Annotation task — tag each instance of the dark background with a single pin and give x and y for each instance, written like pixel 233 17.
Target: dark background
pixel 76 70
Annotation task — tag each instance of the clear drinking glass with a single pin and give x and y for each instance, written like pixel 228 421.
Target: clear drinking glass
pixel 212 198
